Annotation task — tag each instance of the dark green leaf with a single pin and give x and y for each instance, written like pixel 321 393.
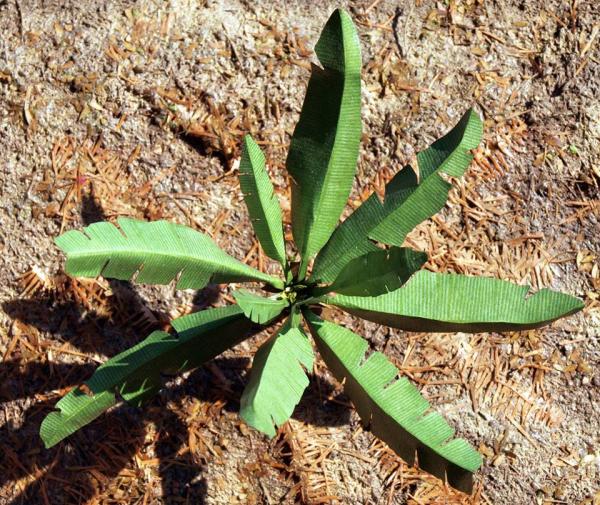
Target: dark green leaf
pixel 350 240
pixel 377 272
pixel 135 374
pixel 324 147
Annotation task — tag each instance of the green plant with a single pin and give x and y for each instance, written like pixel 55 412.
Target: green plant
pixel 359 266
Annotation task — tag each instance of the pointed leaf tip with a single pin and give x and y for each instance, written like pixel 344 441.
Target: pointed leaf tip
pixel 263 205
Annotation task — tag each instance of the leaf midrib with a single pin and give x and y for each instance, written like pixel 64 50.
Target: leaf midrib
pixel 193 259
pixel 378 398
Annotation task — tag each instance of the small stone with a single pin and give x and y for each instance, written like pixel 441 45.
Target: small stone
pixel 559 493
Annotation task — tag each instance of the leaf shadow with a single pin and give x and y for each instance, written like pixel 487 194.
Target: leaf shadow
pixel 99 453
pixel 67 320
pixel 323 404
pixel 21 448
pixel 107 445
pixel 104 449
pixel 333 406
pixel 204 149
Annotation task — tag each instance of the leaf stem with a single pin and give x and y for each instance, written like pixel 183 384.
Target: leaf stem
pixel 308 301
pixel 276 283
pixel 302 269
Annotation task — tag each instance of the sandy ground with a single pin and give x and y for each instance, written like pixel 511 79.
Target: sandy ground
pixel 116 108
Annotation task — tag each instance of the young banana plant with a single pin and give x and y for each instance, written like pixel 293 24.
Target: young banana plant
pixel 359 265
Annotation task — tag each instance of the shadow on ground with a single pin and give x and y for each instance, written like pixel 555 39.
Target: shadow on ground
pixel 104 449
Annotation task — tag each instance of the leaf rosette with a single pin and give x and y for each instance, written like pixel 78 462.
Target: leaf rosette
pixel 359 265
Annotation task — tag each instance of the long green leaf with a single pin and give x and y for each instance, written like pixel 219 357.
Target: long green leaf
pixel 408 204
pixel 450 302
pixel 277 380
pixel 157 251
pixel 257 308
pixel 261 201
pixel 377 272
pixel 324 147
pixel 392 407
pixel 408 200
pixel 136 373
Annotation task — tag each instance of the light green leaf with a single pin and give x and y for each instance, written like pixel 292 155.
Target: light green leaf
pixel 324 147
pixel 408 200
pixel 277 380
pixel 377 272
pixel 261 201
pixel 450 302
pixel 135 374
pixel 392 407
pixel 257 308
pixel 156 251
